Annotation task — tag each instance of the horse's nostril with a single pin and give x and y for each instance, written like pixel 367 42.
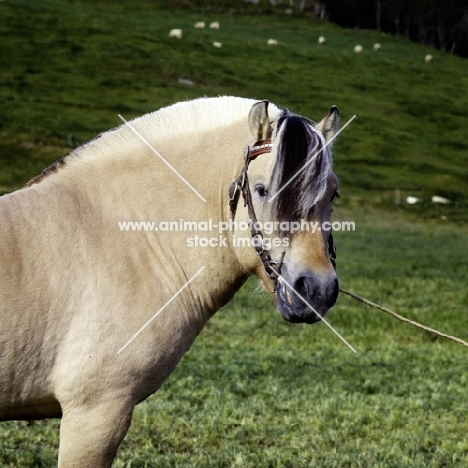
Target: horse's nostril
pixel 308 288
pixel 308 297
pixel 301 286
pixel 313 289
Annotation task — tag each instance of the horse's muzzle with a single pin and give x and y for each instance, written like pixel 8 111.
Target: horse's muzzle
pixel 307 298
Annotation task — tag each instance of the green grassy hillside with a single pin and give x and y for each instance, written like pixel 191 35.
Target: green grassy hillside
pixel 70 67
pixel 254 391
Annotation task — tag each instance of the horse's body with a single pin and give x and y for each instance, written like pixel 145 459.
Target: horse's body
pixel 74 288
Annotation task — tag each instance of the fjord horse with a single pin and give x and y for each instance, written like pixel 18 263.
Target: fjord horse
pixel 75 288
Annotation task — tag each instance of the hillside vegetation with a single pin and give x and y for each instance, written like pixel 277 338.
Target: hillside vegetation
pixel 255 391
pixel 71 67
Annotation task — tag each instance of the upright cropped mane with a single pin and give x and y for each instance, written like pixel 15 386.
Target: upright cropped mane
pixel 298 145
pixel 183 118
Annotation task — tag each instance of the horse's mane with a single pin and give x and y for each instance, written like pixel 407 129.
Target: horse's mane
pixel 47 171
pixel 298 144
pixel 180 119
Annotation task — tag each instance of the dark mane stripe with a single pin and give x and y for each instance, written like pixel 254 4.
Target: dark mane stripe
pixel 46 172
pixel 298 144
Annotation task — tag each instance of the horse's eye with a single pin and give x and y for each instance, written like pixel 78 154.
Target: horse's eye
pixel 261 190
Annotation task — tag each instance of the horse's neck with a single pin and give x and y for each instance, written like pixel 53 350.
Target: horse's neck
pixel 137 185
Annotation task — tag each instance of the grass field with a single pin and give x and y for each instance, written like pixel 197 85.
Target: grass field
pixel 255 391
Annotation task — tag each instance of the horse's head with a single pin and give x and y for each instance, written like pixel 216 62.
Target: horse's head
pixel 289 190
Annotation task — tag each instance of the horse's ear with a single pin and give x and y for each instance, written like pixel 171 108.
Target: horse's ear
pixel 330 124
pixel 259 123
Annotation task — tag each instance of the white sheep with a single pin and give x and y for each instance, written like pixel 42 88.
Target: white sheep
pixel 413 200
pixel 376 47
pixel 199 25
pixel 176 33
pixel 272 42
pixel 428 58
pixel 214 25
pixel 358 49
pixel 321 40
pixel 218 45
pixel 440 200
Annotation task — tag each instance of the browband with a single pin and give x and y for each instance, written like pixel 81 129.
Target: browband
pixel 260 147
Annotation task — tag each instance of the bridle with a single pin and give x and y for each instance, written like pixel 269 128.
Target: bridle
pixel 241 185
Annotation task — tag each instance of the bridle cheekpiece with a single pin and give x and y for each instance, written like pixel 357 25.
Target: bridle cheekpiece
pixel 241 185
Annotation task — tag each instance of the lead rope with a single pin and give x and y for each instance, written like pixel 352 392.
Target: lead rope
pixel 403 319
pixel 272 268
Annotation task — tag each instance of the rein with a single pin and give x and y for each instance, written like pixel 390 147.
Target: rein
pixel 241 185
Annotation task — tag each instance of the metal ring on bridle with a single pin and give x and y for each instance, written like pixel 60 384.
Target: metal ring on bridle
pixel 258 243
